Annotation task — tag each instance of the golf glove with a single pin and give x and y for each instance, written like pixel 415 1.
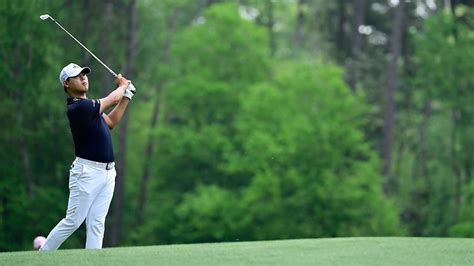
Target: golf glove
pixel 131 88
pixel 129 91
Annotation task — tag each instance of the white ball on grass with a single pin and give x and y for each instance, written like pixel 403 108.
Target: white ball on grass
pixel 38 242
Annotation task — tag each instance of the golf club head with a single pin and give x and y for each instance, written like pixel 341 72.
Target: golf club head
pixel 45 17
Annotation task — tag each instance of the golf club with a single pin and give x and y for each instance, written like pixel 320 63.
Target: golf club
pixel 46 16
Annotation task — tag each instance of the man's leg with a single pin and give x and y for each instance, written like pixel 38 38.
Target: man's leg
pixel 95 223
pixel 79 204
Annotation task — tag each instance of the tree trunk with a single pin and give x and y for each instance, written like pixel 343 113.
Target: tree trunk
pixel 424 148
pixel 457 118
pixel 340 30
pixel 20 117
pixel 393 80
pixel 86 57
pixel 456 169
pixel 116 232
pixel 25 154
pixel 300 18
pixel 154 121
pixel 151 143
pixel 358 7
pixel 27 167
pixel 270 25
pixel 107 79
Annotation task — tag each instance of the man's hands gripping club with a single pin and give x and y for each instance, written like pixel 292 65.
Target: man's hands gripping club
pixel 115 96
pixel 130 91
pixel 123 83
pixel 125 89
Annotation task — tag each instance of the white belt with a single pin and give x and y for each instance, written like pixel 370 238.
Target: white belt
pixel 106 166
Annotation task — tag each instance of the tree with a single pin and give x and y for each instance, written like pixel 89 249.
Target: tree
pixel 179 16
pixel 311 173
pixel 393 83
pixel 31 120
pixel 119 197
pixel 359 9
pixel 198 108
pixel 294 142
pixel 441 160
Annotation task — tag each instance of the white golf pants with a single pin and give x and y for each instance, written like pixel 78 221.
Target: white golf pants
pixel 91 186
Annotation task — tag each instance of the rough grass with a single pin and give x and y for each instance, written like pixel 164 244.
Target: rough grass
pixel 335 251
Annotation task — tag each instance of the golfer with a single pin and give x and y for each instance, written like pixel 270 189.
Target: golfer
pixel 92 174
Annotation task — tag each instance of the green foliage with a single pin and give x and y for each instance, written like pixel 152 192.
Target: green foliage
pixel 247 145
pixel 240 149
pixel 439 135
pixel 221 46
pixel 200 103
pixel 465 226
pixel 446 42
pixel 208 214
pixel 30 164
pixel 313 173
pixel 197 111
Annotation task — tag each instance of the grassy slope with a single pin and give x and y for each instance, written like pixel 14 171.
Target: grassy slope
pixel 336 251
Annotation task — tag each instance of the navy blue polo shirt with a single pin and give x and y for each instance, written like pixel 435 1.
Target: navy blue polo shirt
pixel 91 134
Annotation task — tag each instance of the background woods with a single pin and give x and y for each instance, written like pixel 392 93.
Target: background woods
pixel 253 119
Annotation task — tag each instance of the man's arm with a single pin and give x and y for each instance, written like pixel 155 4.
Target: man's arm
pixel 115 116
pixel 115 96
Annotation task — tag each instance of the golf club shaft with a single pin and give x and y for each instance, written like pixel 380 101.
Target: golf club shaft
pixel 110 70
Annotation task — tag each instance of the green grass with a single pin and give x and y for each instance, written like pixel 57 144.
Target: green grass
pixel 335 251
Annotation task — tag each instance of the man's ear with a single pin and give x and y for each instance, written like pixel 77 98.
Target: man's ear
pixel 65 86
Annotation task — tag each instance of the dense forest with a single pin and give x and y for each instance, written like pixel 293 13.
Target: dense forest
pixel 253 119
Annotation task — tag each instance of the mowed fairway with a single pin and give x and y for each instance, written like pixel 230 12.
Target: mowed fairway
pixel 336 251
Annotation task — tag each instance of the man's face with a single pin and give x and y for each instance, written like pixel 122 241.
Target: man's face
pixel 78 84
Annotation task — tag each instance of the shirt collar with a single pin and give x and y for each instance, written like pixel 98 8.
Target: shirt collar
pixel 70 100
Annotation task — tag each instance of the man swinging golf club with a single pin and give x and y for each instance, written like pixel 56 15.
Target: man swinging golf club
pixel 92 174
